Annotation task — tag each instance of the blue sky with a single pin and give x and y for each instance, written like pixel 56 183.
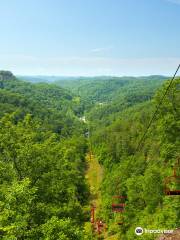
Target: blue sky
pixel 90 37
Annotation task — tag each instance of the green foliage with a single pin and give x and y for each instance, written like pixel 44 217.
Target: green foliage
pixel 42 186
pixel 15 204
pixel 59 229
pixel 139 173
pixel 43 191
pixel 111 94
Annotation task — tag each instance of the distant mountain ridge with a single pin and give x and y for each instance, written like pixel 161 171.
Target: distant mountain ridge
pixel 45 78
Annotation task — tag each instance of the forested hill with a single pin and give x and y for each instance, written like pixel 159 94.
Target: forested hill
pixel 55 106
pixel 103 90
pixel 48 94
pixel 42 162
pixel 140 174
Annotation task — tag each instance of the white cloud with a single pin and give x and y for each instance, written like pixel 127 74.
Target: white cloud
pixel 20 64
pixel 100 50
pixel 174 1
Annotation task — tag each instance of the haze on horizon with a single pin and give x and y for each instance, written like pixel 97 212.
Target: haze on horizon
pixel 89 37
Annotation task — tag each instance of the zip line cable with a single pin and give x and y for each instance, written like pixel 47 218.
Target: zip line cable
pixel 157 108
pixel 155 113
pixel 153 116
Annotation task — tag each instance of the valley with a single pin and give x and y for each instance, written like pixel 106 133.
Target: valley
pixel 69 146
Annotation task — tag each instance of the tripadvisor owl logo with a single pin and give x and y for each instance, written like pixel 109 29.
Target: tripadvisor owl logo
pixel 139 231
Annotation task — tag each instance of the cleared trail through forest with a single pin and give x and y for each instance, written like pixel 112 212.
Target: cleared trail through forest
pixel 94 175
